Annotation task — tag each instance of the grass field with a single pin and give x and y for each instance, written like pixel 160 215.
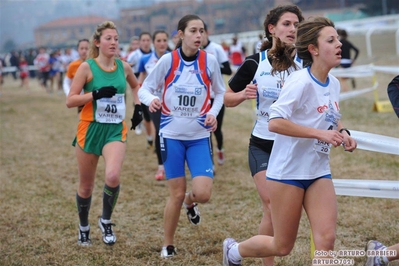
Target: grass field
pixel 38 175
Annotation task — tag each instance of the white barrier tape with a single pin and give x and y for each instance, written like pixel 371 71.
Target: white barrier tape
pixel 13 69
pixel 377 143
pixel 352 94
pixel 353 72
pixel 387 69
pixel 367 188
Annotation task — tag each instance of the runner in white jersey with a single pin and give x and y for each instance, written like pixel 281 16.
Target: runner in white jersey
pixel 187 119
pixel 307 121
pixel 147 65
pixel 134 61
pixel 218 51
pixel 256 80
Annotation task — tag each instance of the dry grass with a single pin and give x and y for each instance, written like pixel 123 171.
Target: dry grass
pixel 38 176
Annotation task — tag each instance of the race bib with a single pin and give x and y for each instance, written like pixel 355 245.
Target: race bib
pixel 111 110
pixel 322 147
pixel 187 100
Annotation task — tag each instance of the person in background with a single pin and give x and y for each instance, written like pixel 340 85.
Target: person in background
pixel 237 52
pixel 134 61
pixel 388 254
pixel 55 67
pixel 280 26
pixel 1 75
pixel 187 118
pixel 42 62
pixel 393 94
pixel 147 64
pixel 24 73
pixel 258 44
pixel 14 62
pixel 223 60
pixel 30 58
pixel 133 46
pixel 102 129
pixel 175 38
pixel 347 60
pixel 308 124
pixel 83 50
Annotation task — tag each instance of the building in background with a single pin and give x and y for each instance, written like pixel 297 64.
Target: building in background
pixel 66 32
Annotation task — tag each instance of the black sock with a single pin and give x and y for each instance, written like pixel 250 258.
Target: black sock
pixel 83 209
pixel 110 196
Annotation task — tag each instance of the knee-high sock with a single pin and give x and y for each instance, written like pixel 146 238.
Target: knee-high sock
pixel 110 196
pixel 83 209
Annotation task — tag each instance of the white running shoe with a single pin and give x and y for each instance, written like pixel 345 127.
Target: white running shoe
pixel 168 252
pixel 109 237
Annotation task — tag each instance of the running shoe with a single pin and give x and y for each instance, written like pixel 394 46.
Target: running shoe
pixel 168 252
pixel 374 245
pixel 150 144
pixel 193 214
pixel 220 154
pixel 138 129
pixel 84 238
pixel 227 244
pixel 160 175
pixel 109 238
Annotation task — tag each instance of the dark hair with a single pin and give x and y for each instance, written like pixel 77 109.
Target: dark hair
pixel 308 33
pixel 158 32
pixel 182 25
pixel 342 33
pixel 273 17
pixel 82 40
pixel 144 33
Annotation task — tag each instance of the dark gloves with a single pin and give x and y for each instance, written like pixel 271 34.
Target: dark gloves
pixel 104 92
pixel 137 116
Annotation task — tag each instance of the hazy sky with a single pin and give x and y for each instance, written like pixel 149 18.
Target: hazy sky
pixel 19 18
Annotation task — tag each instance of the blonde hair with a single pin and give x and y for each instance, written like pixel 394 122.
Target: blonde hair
pixel 94 50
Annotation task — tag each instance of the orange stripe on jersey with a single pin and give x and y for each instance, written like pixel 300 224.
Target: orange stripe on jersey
pixel 81 134
pixel 87 113
pixel 124 131
pixel 173 72
pixel 205 78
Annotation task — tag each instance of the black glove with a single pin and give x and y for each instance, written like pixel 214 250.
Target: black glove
pixel 137 116
pixel 104 92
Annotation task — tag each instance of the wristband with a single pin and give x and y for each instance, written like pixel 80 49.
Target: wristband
pixel 345 129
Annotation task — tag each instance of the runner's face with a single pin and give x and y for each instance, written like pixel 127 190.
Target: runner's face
pixel 134 44
pixel 161 43
pixel 83 50
pixel 192 35
pixel 145 43
pixel 329 47
pixel 109 42
pixel 286 28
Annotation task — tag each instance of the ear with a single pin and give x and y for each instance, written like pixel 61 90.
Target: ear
pixel 96 43
pixel 313 49
pixel 270 28
pixel 180 33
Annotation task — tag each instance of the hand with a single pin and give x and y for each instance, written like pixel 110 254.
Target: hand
pixel 137 116
pixel 211 123
pixel 104 92
pixel 250 91
pixel 155 105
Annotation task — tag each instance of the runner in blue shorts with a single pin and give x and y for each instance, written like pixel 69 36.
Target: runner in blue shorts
pixel 187 118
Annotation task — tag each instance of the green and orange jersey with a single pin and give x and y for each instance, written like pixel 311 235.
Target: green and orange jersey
pixel 102 78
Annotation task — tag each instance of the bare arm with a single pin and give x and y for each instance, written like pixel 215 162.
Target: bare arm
pixel 75 99
pixel 232 99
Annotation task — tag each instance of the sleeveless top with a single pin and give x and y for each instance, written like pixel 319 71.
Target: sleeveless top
pixel 105 110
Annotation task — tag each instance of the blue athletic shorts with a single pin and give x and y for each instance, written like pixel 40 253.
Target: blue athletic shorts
pixel 304 184
pixel 197 153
